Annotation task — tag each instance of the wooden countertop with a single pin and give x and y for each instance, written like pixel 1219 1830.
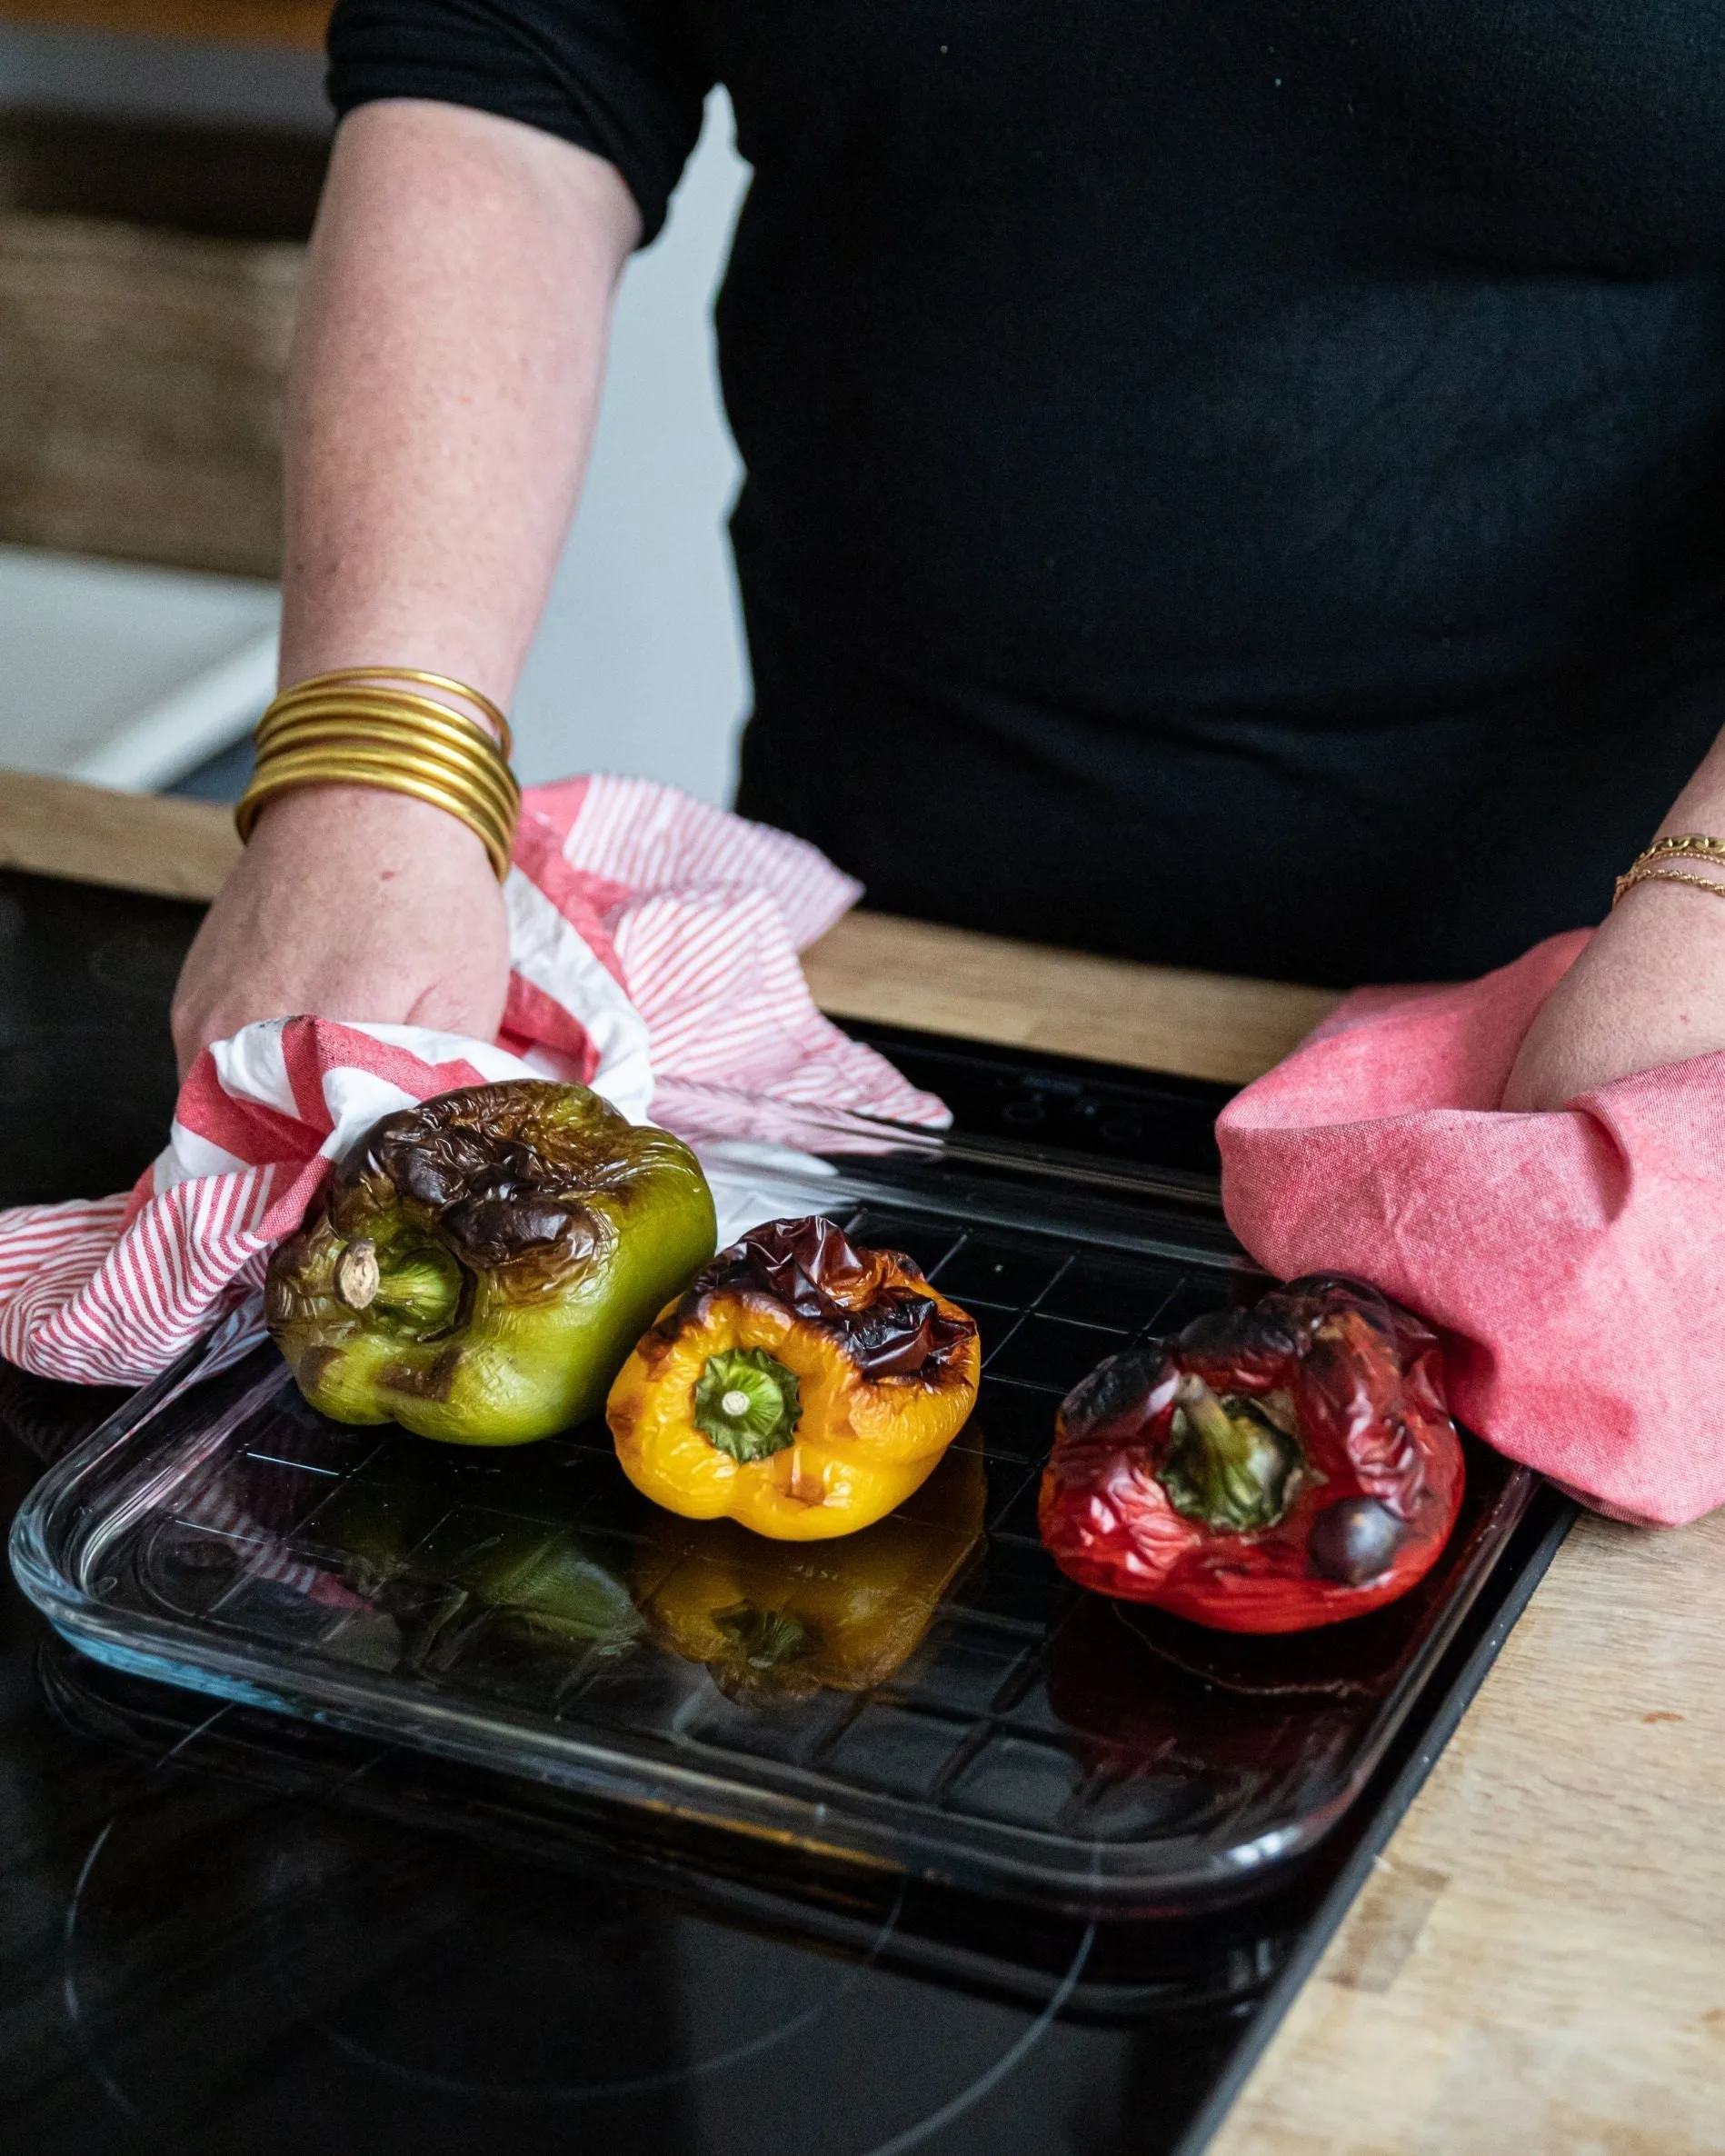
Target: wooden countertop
pixel 1537 1966
pixel 299 23
pixel 897 973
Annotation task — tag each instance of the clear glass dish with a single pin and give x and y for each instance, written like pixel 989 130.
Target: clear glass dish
pixel 945 1705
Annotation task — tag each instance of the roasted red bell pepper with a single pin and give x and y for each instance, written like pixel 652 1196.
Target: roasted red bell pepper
pixel 1267 1470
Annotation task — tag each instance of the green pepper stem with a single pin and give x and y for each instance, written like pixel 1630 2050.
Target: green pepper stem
pixel 1227 1464
pixel 1205 1414
pixel 422 1290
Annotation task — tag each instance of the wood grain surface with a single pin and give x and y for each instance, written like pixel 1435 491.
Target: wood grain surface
pixel 1536 1967
pixel 140 842
pixel 140 384
pixel 206 22
pixel 1026 995
pixel 897 973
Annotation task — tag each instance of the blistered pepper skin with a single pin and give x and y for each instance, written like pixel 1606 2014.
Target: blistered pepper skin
pixel 1267 1470
pixel 483 1263
pixel 857 1375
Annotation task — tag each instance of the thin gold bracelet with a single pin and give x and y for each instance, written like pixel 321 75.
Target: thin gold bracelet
pixel 393 782
pixel 1684 842
pixel 424 784
pixel 312 699
pixel 311 711
pixel 501 804
pixel 424 778
pixel 1665 876
pixel 353 728
pixel 1653 866
pixel 433 729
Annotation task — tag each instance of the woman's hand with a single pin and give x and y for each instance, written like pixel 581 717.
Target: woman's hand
pixel 353 903
pixel 448 354
pixel 1648 988
pixel 447 359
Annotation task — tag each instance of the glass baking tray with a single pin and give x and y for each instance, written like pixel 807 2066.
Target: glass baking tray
pixel 1001 1732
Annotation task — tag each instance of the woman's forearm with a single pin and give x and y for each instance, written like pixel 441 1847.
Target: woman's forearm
pixel 446 376
pixel 1649 988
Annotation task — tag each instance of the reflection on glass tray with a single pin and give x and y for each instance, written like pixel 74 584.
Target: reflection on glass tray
pixel 929 1698
pixel 348 1888
pixel 989 1948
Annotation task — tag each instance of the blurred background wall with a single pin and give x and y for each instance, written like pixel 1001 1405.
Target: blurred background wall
pixel 155 193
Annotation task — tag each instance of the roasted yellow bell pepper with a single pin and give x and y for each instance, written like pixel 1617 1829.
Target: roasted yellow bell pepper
pixel 801 1386
pixel 777 1624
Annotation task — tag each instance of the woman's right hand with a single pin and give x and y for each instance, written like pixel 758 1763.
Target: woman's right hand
pixel 350 903
pixel 448 354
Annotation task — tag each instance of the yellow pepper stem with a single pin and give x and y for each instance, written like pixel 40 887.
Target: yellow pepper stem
pixel 747 1404
pixel 765 1638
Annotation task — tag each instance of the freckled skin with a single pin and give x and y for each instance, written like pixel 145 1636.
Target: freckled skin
pixel 525 1233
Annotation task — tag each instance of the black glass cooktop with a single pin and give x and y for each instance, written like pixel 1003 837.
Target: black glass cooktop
pixel 221 1931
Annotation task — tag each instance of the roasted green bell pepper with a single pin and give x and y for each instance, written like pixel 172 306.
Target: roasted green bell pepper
pixel 483 1262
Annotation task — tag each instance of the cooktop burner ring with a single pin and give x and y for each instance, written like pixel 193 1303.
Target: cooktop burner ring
pixel 618 2089
pixel 291 1918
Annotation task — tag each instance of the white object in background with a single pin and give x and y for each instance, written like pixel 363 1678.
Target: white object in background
pixel 125 676
pixel 189 726
pixel 639 664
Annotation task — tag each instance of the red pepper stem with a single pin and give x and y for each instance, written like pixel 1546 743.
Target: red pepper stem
pixel 1205 1413
pixel 1228 1465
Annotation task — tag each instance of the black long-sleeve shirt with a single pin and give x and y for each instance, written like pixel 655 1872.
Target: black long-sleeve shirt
pixel 1240 485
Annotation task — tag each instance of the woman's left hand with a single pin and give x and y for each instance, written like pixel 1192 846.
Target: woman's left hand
pixel 1648 988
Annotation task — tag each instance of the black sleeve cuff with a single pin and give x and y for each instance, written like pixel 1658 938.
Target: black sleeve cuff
pixel 619 77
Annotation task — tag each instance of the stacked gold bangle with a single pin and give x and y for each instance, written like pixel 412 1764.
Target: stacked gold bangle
pixel 360 727
pixel 1654 866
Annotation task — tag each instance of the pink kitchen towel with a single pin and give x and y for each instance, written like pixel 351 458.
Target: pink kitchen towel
pixel 1575 1261
pixel 651 937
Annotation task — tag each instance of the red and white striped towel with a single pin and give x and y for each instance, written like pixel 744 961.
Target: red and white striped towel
pixel 650 936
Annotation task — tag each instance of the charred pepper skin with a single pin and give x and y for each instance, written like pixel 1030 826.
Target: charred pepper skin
pixel 1267 1470
pixel 481 1264
pixel 801 1386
